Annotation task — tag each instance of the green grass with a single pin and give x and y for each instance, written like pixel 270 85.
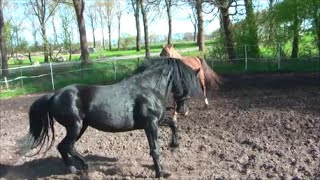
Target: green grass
pixel 100 54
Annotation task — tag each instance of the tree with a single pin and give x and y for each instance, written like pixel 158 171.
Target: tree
pixel 92 15
pixel 34 33
pixel 110 8
pixel 136 9
pixel 43 10
pixel 193 18
pixel 100 9
pixel 66 26
pixel 316 22
pixel 200 37
pixel 252 32
pixel 145 27
pixel 16 29
pixel 168 8
pixel 223 7
pixel 55 34
pixel 34 27
pixel 296 28
pixel 79 9
pixel 119 11
pixel 291 13
pixel 4 62
pixel 271 22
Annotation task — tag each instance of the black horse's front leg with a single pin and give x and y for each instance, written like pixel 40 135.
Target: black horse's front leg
pixel 151 131
pixel 168 121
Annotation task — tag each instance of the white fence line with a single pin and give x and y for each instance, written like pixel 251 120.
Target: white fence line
pixel 114 60
pixel 51 72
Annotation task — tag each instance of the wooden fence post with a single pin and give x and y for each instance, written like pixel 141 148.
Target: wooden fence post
pixel 52 80
pixel 114 71
pixel 6 81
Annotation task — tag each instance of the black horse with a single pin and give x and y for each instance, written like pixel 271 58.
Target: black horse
pixel 137 102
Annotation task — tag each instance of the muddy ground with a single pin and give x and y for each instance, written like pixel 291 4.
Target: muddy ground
pixel 256 127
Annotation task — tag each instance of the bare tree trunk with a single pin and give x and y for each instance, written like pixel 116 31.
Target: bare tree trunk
pixel 146 31
pixel 55 35
pixel 227 31
pixel 200 38
pixel 168 5
pixel 79 8
pixel 109 33
pixel 119 28
pixel 136 8
pixel 102 27
pixel 271 20
pixel 93 36
pixel 40 7
pixel 4 62
pixel 45 42
pixel 252 37
pixel 295 41
pixel 195 33
pixel 316 22
pixel 34 34
pixel 91 14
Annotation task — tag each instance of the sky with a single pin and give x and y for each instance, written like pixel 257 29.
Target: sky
pixel 180 24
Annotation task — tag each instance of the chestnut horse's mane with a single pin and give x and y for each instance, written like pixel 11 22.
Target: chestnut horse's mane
pixel 212 79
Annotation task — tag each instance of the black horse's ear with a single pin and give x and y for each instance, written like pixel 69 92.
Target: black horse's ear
pixel 197 71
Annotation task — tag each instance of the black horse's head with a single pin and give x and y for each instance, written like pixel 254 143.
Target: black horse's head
pixel 190 86
pixel 184 81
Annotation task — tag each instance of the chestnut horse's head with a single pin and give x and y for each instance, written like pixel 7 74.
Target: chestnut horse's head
pixel 169 51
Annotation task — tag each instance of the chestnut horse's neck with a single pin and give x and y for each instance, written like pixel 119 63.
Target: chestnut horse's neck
pixel 175 53
pixel 169 51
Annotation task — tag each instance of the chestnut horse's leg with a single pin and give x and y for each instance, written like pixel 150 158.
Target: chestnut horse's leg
pixel 203 86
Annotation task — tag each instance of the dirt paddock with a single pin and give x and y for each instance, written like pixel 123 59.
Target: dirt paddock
pixel 256 127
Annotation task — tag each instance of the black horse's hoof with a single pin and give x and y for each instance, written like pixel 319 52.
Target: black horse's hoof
pixel 73 170
pixel 174 144
pixel 163 174
pixel 85 167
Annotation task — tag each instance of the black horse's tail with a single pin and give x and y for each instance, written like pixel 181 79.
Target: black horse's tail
pixel 40 122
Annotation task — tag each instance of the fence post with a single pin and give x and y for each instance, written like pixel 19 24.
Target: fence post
pixel 279 56
pixel 52 81
pixel 6 81
pixel 246 57
pixel 114 71
pixel 21 76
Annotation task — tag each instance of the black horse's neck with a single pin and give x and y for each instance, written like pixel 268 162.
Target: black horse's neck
pixel 159 80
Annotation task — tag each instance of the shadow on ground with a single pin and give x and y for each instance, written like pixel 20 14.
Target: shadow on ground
pixel 52 166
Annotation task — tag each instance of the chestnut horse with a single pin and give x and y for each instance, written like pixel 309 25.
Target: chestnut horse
pixel 207 77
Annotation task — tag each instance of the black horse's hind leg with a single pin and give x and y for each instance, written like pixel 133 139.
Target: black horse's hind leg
pixel 83 129
pixel 151 131
pixel 173 126
pixel 66 146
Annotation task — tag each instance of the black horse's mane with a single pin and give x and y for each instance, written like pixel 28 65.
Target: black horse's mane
pixel 184 78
